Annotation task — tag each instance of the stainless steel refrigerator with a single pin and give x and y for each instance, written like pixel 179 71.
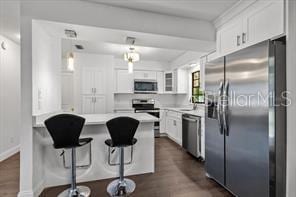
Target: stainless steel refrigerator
pixel 246 120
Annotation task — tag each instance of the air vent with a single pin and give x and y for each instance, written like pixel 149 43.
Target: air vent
pixel 70 33
pixel 130 40
pixel 79 47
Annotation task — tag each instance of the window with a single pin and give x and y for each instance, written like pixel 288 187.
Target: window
pixel 197 95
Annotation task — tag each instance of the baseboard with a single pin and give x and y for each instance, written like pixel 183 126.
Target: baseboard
pixel 26 194
pixel 37 191
pixel 9 153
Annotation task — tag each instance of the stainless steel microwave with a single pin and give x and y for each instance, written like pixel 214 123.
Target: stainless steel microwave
pixel 145 86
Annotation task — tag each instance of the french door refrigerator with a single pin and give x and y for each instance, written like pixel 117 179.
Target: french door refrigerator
pixel 245 120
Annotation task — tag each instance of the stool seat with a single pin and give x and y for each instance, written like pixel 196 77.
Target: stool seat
pixel 81 142
pixel 109 142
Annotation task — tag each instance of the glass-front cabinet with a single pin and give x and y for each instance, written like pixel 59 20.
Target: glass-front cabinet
pixel 168 82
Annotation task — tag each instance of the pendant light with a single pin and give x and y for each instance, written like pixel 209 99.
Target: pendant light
pixel 130 66
pixel 131 56
pixel 70 59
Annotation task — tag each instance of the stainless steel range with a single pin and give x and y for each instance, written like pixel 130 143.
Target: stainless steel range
pixel 147 106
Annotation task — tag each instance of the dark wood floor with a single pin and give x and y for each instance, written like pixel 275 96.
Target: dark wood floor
pixel 177 174
pixel 9 176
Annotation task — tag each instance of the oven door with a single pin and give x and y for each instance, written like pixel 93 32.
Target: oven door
pixel 148 86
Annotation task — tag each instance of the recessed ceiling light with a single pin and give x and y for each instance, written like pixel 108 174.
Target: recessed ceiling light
pixel 193 65
pixel 79 47
pixel 3 45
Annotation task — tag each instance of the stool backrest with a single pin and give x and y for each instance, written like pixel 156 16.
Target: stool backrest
pixel 65 130
pixel 122 130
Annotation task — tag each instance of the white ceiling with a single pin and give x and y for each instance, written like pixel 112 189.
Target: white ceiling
pixel 10 19
pixel 197 9
pixel 103 35
pixel 147 53
pixel 109 41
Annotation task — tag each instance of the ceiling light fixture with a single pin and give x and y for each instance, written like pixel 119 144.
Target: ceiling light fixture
pixel 70 59
pixel 131 56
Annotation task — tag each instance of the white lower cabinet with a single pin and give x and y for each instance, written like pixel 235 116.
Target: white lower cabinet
pixel 174 126
pixel 162 121
pixel 179 132
pixel 203 145
pixel 93 104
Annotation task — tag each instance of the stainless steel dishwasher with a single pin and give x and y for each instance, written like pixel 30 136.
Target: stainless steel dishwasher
pixel 191 134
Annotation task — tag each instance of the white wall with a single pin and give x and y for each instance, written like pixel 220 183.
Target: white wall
pixel 291 110
pixel 123 101
pixel 9 98
pixel 46 57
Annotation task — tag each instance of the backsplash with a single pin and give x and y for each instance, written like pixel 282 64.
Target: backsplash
pixel 161 100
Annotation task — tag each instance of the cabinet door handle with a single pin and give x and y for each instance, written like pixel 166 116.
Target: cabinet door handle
pixel 238 40
pixel 95 90
pixel 244 38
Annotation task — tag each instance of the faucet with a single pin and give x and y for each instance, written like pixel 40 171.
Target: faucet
pixel 191 100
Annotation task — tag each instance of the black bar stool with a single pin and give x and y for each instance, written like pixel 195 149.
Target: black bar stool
pixel 122 131
pixel 65 130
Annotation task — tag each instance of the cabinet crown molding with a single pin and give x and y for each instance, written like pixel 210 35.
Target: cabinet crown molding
pixel 232 12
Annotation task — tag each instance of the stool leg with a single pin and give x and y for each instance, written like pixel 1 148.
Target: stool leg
pixel 80 191
pixel 73 173
pixel 121 165
pixel 121 186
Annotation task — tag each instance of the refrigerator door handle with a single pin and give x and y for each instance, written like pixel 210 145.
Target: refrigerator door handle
pixel 220 92
pixel 225 107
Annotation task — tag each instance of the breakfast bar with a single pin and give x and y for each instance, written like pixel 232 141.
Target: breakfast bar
pixel 51 165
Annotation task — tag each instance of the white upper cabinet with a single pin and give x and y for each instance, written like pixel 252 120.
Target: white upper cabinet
pixel 264 22
pixel 160 82
pixel 93 81
pixel 229 37
pixel 181 81
pixel 124 81
pixel 261 21
pixel 147 75
pixel 172 82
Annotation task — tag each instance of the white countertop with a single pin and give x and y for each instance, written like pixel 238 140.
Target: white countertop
pixel 200 111
pixel 97 119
